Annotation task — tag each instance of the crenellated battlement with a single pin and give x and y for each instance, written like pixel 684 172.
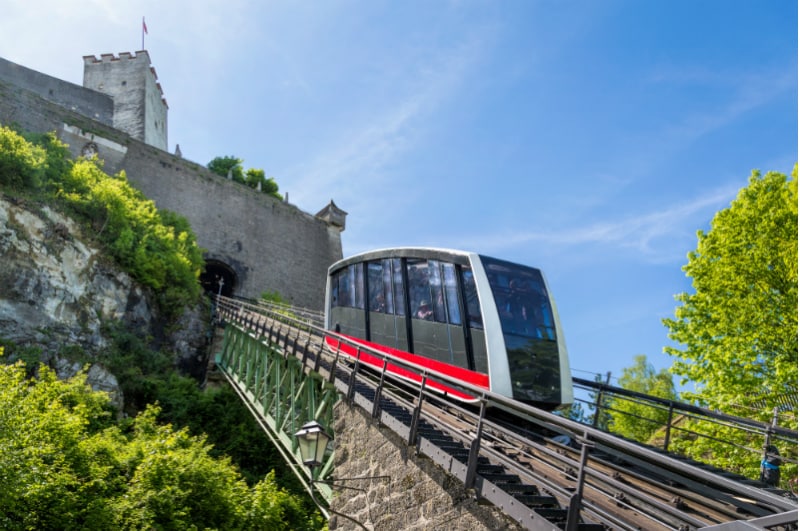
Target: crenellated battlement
pixel 142 57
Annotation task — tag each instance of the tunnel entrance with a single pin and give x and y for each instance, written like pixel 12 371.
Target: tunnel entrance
pixel 218 275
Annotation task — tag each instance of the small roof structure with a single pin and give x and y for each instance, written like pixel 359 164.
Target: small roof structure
pixel 333 215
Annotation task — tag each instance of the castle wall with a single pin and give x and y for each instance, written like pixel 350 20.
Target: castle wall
pixel 90 103
pixel 270 245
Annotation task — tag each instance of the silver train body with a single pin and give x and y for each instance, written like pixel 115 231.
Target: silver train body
pixel 486 321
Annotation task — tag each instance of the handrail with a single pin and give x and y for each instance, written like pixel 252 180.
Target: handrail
pixel 684 407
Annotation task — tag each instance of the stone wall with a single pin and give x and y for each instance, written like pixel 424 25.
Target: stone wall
pixel 96 105
pixel 419 495
pixel 271 245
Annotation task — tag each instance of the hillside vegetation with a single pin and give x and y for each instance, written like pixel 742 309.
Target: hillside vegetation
pixel 72 463
pixel 72 467
pixel 157 247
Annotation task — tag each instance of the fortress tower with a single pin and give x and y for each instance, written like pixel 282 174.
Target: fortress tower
pixel 139 105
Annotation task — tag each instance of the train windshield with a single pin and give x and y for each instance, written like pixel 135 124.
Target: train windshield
pixel 529 331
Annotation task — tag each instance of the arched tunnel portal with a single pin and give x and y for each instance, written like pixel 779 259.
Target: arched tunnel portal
pixel 218 278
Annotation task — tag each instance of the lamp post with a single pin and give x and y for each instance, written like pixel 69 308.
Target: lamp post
pixel 313 440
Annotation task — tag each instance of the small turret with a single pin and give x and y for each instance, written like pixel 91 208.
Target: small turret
pixel 333 216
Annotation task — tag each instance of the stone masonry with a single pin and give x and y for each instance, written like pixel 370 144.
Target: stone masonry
pixel 419 495
pixel 140 108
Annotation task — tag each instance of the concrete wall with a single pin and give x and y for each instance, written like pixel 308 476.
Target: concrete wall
pixel 270 245
pixel 418 496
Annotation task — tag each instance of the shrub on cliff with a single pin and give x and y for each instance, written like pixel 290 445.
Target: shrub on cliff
pixel 157 247
pixel 21 164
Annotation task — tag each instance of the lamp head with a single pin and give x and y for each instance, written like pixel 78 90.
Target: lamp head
pixel 313 440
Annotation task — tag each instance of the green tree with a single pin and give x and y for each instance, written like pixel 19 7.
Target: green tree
pixel 58 160
pixel 156 247
pixel 739 327
pixel 253 177
pixel 69 466
pixel 21 164
pixel 633 418
pixel 228 164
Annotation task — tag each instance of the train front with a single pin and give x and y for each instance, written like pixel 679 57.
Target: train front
pixel 530 362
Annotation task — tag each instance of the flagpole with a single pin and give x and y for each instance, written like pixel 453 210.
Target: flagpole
pixel 143 32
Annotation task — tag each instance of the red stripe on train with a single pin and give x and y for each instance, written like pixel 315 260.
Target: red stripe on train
pixel 475 378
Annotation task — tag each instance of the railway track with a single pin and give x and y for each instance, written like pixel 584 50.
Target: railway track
pixel 618 491
pixel 590 481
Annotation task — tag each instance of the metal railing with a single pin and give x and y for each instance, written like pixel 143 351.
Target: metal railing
pixel 669 421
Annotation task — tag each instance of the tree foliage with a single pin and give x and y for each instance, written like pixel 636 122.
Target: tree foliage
pixel 157 247
pixel 739 328
pixel 254 178
pixel 72 467
pixel 228 165
pixel 147 376
pixel 21 164
pixel 634 419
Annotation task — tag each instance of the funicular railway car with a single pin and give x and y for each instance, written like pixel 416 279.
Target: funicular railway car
pixel 484 321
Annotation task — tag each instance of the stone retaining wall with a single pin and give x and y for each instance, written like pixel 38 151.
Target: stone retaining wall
pixel 418 495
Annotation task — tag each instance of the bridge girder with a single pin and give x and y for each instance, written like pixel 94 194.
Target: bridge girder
pixel 281 396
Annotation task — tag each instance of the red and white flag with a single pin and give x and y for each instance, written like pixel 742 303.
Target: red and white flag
pixel 144 26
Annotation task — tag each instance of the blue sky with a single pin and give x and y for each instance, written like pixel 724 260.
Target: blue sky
pixel 590 138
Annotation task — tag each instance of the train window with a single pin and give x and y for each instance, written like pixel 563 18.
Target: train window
pixel 419 291
pixel 342 281
pixel 521 299
pixel 335 290
pixel 451 294
pixel 347 287
pixel 437 296
pixel 377 300
pixel 386 267
pixel 397 273
pixel 471 298
pixel 358 285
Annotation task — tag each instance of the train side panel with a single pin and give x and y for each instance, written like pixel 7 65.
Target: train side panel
pixel 497 360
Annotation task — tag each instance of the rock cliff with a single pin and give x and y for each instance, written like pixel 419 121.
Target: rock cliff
pixel 56 291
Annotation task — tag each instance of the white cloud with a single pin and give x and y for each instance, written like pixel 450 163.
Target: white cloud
pixel 654 236
pixel 750 91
